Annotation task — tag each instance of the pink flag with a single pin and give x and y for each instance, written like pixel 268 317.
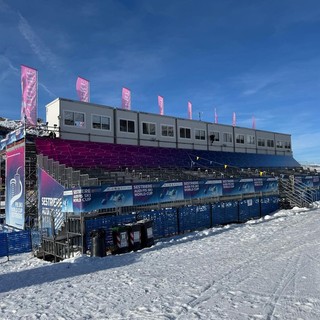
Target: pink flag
pixel 215 116
pixel 189 110
pixel 234 119
pixel 83 89
pixel 253 122
pixel 160 103
pixel 126 99
pixel 29 87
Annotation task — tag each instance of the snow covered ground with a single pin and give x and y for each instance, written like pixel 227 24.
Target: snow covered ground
pixel 264 269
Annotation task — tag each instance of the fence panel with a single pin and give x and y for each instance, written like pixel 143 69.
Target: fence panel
pixel 274 203
pixel 164 221
pixel 225 212
pixel 269 204
pixel 3 245
pixel 194 218
pixel 19 242
pixel 249 209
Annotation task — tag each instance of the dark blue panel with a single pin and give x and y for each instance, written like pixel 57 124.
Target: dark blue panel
pixel 217 214
pixel 3 245
pixel 164 221
pixel 269 205
pixel 274 203
pixel 225 212
pixel 194 218
pixel 19 242
pixel 203 219
pixel 231 211
pixel 249 209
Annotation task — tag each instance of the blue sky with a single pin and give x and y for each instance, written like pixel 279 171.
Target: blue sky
pixel 258 58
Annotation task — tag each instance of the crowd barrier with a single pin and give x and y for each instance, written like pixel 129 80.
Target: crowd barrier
pixel 15 242
pixel 174 221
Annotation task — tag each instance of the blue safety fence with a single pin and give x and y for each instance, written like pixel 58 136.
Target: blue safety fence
pixel 194 218
pixel 165 221
pixel 225 212
pixel 173 221
pixel 249 209
pixel 15 242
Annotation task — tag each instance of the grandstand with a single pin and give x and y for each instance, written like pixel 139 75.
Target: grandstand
pixel 109 162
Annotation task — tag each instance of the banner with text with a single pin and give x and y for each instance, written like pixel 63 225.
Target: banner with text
pixel 50 196
pixel 96 198
pixel 15 185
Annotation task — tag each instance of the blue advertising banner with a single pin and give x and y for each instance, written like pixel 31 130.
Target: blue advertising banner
pixel 15 185
pixel 117 196
pixel 11 137
pixel 171 191
pixel 145 193
pixel 235 187
pixel 96 198
pixel 50 196
pixel 265 184
pixel 202 189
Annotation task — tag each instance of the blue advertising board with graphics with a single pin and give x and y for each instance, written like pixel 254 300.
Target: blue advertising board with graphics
pixel 50 196
pixel 235 186
pixel 111 196
pixel 15 185
pixel 265 184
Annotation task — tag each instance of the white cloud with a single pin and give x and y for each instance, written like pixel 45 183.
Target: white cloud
pixel 7 68
pixel 39 48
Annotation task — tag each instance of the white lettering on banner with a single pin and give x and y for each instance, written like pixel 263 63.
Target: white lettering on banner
pixel 119 188
pixel 213 181
pixel 17 210
pixel 50 202
pixel 82 197
pixel 191 186
pixel 172 184
pixel 227 184
pixel 143 190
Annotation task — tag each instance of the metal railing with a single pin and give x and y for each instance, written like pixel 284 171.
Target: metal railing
pixel 296 193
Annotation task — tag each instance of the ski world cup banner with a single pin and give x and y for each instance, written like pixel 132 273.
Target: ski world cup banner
pixel 83 89
pixel 15 185
pixel 50 194
pixel 161 106
pixel 29 87
pixel 126 99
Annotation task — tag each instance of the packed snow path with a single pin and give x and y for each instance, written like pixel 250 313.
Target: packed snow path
pixel 264 269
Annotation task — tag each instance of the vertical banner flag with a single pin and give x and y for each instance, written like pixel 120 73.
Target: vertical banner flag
pixel 160 103
pixel 234 119
pixel 126 99
pixel 189 110
pixel 29 87
pixel 83 89
pixel 215 116
pixel 15 185
pixel 253 122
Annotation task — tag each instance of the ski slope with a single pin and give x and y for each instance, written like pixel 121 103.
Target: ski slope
pixel 263 269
